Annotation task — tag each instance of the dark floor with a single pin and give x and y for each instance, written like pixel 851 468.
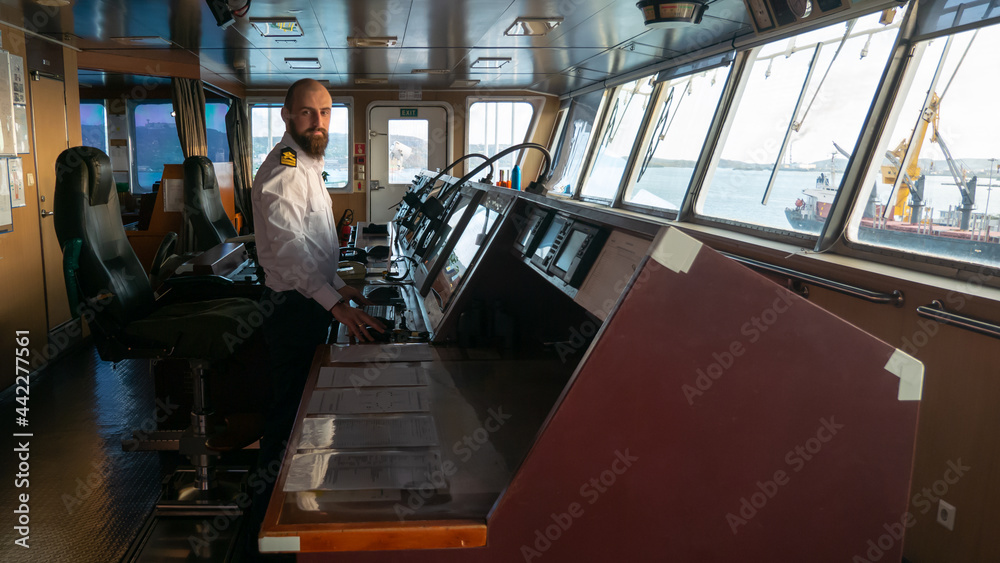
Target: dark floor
pixel 88 498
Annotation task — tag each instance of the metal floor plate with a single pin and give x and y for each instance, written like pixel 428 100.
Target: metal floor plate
pixel 88 499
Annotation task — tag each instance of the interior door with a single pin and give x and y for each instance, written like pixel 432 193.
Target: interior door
pixel 48 105
pixel 402 140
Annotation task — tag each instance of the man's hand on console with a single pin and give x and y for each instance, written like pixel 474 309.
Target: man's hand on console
pixel 356 320
pixel 351 293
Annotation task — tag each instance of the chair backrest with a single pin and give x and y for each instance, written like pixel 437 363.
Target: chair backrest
pixel 203 204
pixel 109 275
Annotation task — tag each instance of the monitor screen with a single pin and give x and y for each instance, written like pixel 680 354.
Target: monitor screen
pixel 570 249
pixel 547 240
pixel 444 232
pixel 465 251
pixel 525 237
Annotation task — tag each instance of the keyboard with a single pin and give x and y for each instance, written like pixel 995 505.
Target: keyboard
pixel 385 313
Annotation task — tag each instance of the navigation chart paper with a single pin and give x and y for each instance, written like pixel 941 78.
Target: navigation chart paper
pixel 368 401
pixel 380 431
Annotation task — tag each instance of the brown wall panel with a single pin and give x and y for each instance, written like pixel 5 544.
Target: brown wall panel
pixel 958 412
pixel 21 280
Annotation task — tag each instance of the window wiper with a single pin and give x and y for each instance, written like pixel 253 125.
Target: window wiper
pixel 663 125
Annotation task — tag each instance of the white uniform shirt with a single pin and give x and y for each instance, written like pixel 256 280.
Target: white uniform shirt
pixel 295 231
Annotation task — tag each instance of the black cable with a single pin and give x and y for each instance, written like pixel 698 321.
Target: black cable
pixel 542 173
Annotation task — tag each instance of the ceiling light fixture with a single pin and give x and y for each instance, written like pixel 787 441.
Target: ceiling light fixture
pixel 656 12
pixel 490 63
pixel 464 83
pixel 372 41
pixel 52 3
pixel 363 81
pixel 277 27
pixel 532 27
pixel 430 71
pixel 303 64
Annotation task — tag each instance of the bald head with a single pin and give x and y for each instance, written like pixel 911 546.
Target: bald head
pixel 306 114
pixel 300 87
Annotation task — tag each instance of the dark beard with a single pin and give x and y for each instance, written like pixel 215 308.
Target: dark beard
pixel 314 145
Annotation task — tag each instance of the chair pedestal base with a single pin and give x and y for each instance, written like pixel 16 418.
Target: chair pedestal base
pixel 182 490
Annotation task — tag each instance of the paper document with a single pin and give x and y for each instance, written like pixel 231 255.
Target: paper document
pixel 389 376
pixel 369 401
pixel 380 431
pixel 332 471
pixel 381 353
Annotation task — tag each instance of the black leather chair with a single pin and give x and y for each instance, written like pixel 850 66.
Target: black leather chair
pixel 203 205
pixel 108 287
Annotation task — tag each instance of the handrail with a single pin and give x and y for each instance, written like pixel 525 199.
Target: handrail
pixel 896 298
pixel 937 312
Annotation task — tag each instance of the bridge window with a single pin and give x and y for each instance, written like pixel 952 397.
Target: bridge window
pixel 627 106
pixel 674 139
pixel 408 144
pixel 267 128
pixel 929 190
pixel 574 142
pixel 781 157
pixel 497 125
pixel 157 143
pixel 94 124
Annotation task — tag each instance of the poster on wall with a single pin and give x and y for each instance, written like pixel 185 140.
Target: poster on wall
pixel 16 173
pixel 21 129
pixel 18 91
pixel 6 216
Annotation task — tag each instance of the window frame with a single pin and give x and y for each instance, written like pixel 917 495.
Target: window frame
pixel 898 75
pixel 134 146
pixel 587 169
pixel 104 105
pixel 346 101
pixel 537 104
pixel 560 145
pixel 741 70
pixel 646 137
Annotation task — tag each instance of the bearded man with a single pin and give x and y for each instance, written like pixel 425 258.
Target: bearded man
pixel 297 247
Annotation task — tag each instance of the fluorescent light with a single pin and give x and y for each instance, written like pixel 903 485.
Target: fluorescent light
pixel 277 27
pixel 492 63
pixel 464 83
pixel 303 64
pixel 430 71
pixel 363 81
pixel 532 26
pixel 142 41
pixel 371 41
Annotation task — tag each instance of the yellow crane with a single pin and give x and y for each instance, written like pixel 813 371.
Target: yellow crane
pixel 912 171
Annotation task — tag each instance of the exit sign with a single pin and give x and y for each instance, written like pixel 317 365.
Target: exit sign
pixel 407 112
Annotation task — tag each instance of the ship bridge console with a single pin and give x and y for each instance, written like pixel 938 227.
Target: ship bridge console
pixel 554 374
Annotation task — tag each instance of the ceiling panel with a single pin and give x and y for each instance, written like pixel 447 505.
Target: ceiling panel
pixel 682 39
pixel 617 61
pixel 372 18
pixel 375 60
pixel 451 24
pixel 530 60
pixel 277 58
pixel 279 82
pixel 562 83
pixel 603 37
pixel 573 13
pixel 435 58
